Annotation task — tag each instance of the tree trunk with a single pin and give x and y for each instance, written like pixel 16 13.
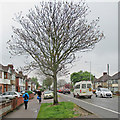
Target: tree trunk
pixel 55 102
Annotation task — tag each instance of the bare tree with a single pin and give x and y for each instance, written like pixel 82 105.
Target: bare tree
pixel 61 83
pixel 52 33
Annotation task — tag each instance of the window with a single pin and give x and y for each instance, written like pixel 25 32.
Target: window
pixel 77 87
pixel 83 86
pixel 88 85
pixel 5 75
pixel 5 88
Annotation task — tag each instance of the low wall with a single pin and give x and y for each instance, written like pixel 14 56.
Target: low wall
pixel 7 105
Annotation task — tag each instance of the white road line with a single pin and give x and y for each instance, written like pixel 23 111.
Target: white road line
pixel 96 105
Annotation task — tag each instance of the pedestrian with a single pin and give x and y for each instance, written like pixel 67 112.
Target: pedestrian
pixel 26 98
pixel 39 95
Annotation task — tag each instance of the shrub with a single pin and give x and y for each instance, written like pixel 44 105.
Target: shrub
pixel 29 92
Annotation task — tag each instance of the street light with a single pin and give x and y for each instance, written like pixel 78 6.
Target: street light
pixel 90 67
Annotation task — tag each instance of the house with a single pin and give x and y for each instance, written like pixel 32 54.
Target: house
pixel 7 78
pixel 33 86
pixel 115 81
pixel 20 82
pixel 103 81
pixel 28 83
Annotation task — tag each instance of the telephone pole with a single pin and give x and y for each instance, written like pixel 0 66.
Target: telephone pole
pixel 108 74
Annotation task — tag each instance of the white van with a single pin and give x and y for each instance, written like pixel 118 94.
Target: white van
pixel 83 88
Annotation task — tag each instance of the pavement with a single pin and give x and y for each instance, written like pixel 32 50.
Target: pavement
pixel 31 112
pixel 33 108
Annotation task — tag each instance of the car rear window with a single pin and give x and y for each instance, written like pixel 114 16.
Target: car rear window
pixel 88 85
pixel 83 86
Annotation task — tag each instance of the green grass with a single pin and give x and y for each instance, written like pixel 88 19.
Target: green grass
pixel 63 110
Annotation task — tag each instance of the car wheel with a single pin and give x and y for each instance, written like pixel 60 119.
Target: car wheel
pixel 96 95
pixel 89 97
pixel 101 96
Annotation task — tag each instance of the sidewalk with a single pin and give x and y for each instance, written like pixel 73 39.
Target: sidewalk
pixel 33 108
pixel 31 112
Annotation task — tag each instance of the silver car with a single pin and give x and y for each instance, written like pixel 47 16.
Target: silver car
pixel 10 94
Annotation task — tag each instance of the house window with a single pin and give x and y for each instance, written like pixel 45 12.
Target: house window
pixel 5 88
pixel 115 81
pixel 5 75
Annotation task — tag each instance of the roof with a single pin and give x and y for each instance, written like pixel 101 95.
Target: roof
pixel 104 78
pixel 116 76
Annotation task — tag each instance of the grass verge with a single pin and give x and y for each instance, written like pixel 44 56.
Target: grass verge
pixel 63 110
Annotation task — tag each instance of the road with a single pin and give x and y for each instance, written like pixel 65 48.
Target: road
pixel 102 107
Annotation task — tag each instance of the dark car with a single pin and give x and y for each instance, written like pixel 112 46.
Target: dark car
pixel 66 91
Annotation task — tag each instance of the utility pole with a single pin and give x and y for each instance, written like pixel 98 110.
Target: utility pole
pixel 90 67
pixel 90 70
pixel 108 74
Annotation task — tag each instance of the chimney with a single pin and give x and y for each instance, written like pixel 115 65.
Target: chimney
pixel 104 73
pixel 11 66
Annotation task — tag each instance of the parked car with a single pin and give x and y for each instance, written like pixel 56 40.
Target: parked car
pixel 48 94
pixel 66 91
pixel 60 91
pixel 103 92
pixel 10 94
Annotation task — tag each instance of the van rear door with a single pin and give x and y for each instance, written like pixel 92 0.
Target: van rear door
pixel 89 87
pixel 83 91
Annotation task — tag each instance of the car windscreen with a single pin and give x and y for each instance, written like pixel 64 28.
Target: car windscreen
pixel 47 92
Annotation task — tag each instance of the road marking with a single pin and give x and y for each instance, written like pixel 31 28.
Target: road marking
pixel 96 105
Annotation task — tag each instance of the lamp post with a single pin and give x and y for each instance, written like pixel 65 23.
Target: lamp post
pixel 90 67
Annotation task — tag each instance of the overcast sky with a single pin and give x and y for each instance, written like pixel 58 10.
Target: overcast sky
pixel 105 52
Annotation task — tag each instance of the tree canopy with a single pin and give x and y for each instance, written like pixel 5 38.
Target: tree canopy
pixel 52 33
pixel 80 76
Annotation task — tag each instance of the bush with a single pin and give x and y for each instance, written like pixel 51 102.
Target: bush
pixel 29 92
pixel 117 92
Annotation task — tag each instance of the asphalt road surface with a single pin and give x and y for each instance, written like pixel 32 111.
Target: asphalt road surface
pixel 102 107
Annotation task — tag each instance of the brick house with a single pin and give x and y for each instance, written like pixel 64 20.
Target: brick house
pixel 20 82
pixel 7 78
pixel 103 81
pixel 33 86
pixel 115 81
pixel 29 84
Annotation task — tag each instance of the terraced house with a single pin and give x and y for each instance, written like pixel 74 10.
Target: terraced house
pixel 7 78
pixel 20 82
pixel 13 81
pixel 115 82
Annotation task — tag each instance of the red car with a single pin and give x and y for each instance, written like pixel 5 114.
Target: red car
pixel 60 91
